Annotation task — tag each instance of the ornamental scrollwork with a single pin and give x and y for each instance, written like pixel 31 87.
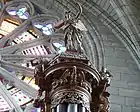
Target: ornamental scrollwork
pixel 72 77
pixel 71 97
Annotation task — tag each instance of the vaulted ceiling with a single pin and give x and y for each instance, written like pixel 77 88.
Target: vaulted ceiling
pixel 112 39
pixel 121 17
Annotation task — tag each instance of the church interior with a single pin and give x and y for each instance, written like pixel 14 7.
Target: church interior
pixel 69 56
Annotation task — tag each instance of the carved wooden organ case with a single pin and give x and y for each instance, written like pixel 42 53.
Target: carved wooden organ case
pixel 69 84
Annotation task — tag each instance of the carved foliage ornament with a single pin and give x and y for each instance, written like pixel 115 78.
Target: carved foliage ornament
pixel 72 77
pixel 71 97
pixel 72 87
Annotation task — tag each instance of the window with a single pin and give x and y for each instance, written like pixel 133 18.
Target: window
pixel 25 36
pixel 3 105
pixel 36 50
pixel 7 27
pixel 59 46
pixel 20 11
pixel 47 29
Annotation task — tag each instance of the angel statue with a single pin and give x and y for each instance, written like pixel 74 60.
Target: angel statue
pixel 106 75
pixel 73 28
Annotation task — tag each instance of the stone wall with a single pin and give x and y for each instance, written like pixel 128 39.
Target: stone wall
pixel 125 85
